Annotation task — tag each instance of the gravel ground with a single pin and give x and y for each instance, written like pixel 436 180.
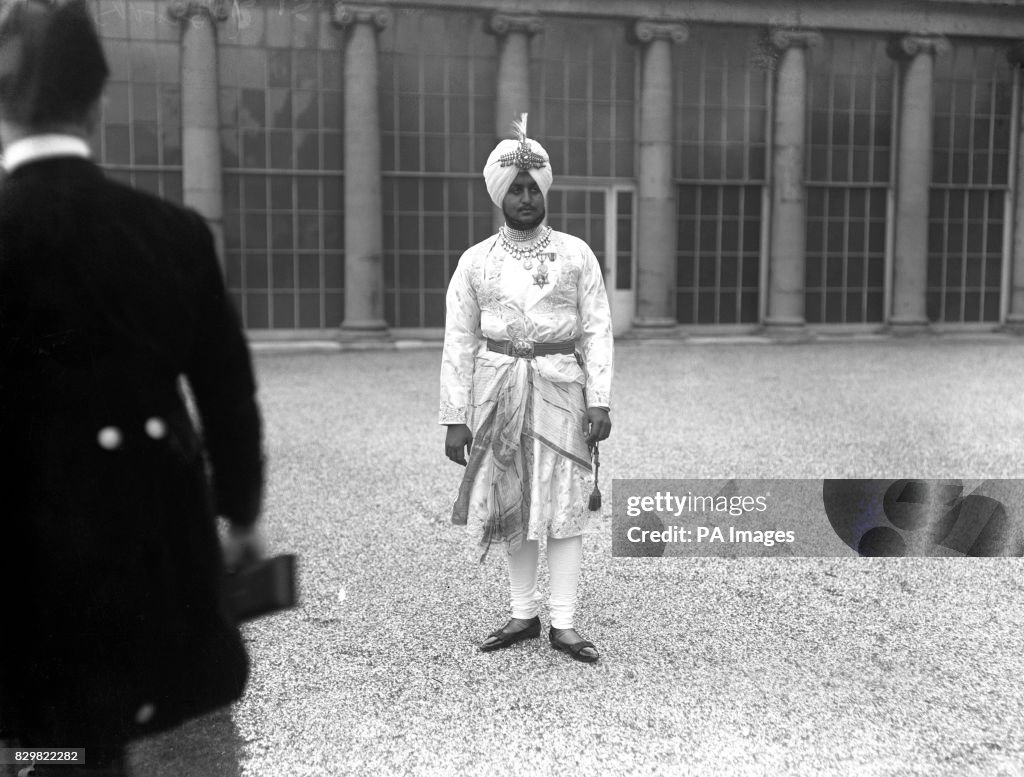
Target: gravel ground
pixel 709 666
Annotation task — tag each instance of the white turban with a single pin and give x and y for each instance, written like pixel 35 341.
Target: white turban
pixel 510 158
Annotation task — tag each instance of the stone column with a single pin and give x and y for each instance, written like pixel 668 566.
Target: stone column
pixel 513 87
pixel 913 181
pixel 364 277
pixel 202 177
pixel 513 95
pixel 1015 317
pixel 656 191
pixel 787 260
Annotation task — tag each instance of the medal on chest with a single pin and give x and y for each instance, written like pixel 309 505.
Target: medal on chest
pixel 540 278
pixel 529 253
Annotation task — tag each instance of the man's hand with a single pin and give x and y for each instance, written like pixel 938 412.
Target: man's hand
pixel 597 425
pixel 241 547
pixel 457 443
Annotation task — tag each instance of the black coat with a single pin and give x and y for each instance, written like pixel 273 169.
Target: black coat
pixel 111 622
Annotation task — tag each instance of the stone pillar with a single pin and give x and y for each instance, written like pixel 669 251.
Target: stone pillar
pixel 787 260
pixel 513 87
pixel 657 230
pixel 202 177
pixel 364 277
pixel 513 95
pixel 1015 317
pixel 913 181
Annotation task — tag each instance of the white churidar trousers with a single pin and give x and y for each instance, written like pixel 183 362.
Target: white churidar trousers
pixel 565 557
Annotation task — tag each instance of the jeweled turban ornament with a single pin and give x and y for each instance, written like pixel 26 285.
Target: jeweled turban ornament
pixel 510 157
pixel 524 157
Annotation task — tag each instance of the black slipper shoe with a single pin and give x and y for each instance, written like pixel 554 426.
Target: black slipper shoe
pixel 574 649
pixel 504 638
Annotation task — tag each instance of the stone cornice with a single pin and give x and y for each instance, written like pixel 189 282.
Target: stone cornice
pixel 782 39
pixel 502 24
pixel 647 30
pixel 347 15
pixel 910 46
pixel 183 10
pixel 1000 19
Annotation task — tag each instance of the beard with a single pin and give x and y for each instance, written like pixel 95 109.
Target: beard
pixel 525 223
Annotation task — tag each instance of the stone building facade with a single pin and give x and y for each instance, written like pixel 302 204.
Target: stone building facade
pixel 737 165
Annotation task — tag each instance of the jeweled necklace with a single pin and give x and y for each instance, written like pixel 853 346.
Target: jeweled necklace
pixel 514 242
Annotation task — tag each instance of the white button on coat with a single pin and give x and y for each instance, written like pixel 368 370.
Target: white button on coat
pixel 145 713
pixel 156 428
pixel 110 438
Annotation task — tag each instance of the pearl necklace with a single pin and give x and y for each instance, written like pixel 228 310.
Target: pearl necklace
pixel 521 252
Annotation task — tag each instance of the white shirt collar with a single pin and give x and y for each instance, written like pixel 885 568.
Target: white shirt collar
pixel 42 146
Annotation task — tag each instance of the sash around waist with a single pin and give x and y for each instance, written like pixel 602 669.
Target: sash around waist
pixel 526 349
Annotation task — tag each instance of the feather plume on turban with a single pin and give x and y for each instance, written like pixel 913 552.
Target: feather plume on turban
pixel 511 157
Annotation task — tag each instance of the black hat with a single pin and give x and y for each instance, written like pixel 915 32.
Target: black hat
pixel 52 67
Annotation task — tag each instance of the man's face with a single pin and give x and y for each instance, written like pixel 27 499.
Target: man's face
pixel 523 205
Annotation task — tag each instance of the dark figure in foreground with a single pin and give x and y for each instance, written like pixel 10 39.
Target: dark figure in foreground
pixel 110 582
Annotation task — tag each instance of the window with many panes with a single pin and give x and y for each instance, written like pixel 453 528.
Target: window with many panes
pixel 849 146
pixel 583 83
pixel 138 138
pixel 281 79
pixel 721 109
pixel 970 182
pixel 437 125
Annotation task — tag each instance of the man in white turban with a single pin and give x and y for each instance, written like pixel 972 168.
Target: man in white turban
pixel 510 158
pixel 525 389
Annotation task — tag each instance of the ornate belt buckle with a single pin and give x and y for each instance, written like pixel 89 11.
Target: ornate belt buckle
pixel 522 348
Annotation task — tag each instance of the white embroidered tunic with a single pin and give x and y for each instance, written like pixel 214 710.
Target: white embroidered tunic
pixel 493 295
